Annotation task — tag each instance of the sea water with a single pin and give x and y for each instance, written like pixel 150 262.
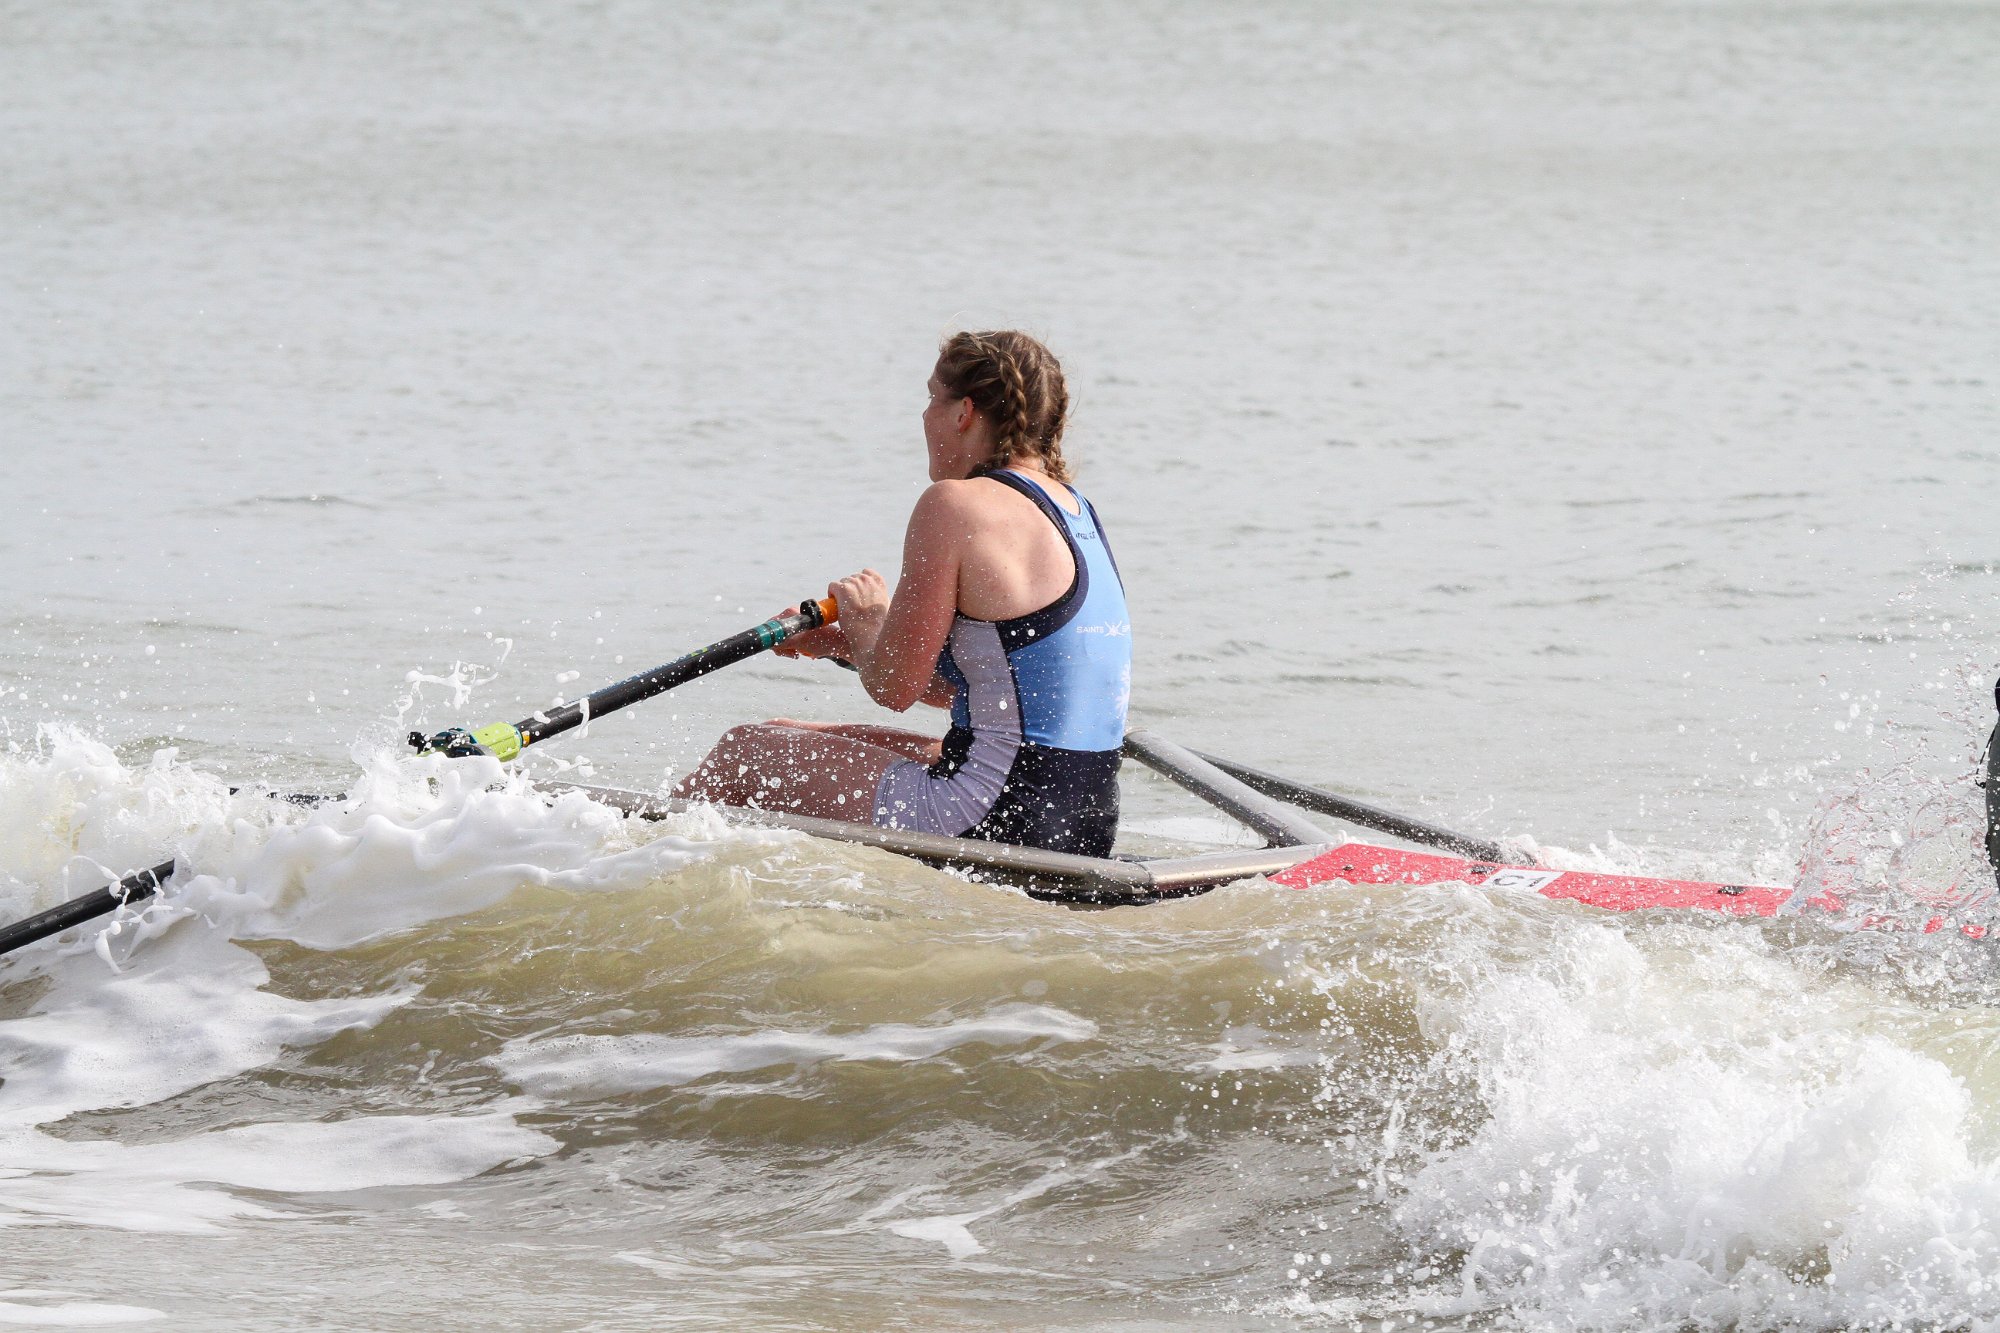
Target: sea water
pixel 1573 423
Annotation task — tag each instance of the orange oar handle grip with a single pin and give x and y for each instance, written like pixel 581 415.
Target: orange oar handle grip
pixel 821 607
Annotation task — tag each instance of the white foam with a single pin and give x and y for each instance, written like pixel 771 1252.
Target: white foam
pixel 73 817
pixel 183 1186
pixel 419 841
pixel 54 1309
pixel 1673 1138
pixel 954 1230
pixel 583 1066
pixel 682 1271
pixel 188 1011
pixel 153 1002
pixel 415 840
pixel 1249 1047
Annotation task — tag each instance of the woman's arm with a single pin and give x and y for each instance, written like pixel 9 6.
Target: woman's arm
pixel 940 694
pixel 896 641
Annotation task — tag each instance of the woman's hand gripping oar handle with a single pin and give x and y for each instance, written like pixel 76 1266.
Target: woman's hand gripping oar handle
pixel 503 740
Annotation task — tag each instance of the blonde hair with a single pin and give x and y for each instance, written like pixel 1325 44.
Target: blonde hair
pixel 1018 385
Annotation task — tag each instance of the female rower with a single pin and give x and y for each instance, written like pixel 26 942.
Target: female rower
pixel 1009 611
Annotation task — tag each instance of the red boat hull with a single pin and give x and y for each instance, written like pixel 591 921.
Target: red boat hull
pixel 1362 863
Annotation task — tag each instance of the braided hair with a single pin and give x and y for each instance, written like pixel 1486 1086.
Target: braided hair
pixel 1018 384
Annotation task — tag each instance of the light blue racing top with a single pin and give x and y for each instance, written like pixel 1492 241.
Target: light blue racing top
pixel 1059 677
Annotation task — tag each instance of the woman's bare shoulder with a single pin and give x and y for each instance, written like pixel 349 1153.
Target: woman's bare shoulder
pixel 955 506
pixel 964 490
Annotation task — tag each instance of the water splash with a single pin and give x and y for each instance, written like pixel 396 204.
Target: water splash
pixel 1901 845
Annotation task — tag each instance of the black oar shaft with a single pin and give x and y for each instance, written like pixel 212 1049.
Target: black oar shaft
pixel 660 679
pixel 1357 812
pixel 504 741
pixel 131 889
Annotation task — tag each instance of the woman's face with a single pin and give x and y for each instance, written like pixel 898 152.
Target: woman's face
pixel 948 434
